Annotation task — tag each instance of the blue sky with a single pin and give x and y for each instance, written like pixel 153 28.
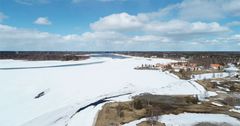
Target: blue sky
pixel 120 25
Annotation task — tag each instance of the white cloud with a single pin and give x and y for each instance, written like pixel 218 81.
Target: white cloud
pixel 42 21
pixel 12 38
pixel 230 40
pixel 31 2
pixel 233 38
pixel 2 16
pixel 161 14
pixel 95 37
pixel 123 31
pixel 144 23
pixel 114 37
pixel 150 38
pixel 201 10
pixel 233 23
pixel 209 9
pixel 78 1
pixel 122 21
pixel 11 34
pixel 183 27
pixel 110 0
pixel 233 7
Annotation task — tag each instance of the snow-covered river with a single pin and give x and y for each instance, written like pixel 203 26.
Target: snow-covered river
pixel 66 89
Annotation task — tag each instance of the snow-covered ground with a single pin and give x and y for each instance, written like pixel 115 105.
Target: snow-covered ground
pixel 210 76
pixel 190 119
pixel 66 89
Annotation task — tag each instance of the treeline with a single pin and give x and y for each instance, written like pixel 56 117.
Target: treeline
pixel 42 56
pixel 200 58
pixel 205 60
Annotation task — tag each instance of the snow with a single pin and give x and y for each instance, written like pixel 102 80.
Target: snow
pixel 82 119
pixel 210 76
pixel 190 119
pixel 70 88
pixel 224 92
pixel 231 68
pixel 217 104
pixel 23 63
pixel 234 110
pixel 203 93
pixel 237 107
pixel 134 123
pixel 222 88
pixel 211 94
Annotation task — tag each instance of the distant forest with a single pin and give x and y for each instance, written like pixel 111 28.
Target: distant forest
pixel 201 58
pixel 36 56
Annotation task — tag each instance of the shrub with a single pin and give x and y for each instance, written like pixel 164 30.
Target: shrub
pixel 137 104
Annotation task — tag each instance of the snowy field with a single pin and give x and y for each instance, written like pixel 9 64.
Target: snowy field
pixel 210 76
pixel 191 119
pixel 67 89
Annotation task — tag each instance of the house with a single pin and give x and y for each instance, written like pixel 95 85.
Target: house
pixel 153 56
pixel 186 66
pixel 215 66
pixel 160 65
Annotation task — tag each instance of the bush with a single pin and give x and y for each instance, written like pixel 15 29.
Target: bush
pixel 232 101
pixel 137 104
pixel 191 100
pixel 121 114
pixel 232 88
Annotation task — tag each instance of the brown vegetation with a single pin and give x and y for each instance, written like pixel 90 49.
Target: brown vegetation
pixel 115 114
pixel 147 105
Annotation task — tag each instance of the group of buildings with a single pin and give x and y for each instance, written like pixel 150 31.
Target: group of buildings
pixel 186 66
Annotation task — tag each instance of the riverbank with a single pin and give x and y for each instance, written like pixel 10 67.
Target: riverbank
pixel 151 106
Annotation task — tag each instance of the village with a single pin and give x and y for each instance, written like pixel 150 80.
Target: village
pixel 187 70
pixel 221 79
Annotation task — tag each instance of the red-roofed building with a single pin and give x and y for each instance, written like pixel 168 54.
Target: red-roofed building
pixel 215 66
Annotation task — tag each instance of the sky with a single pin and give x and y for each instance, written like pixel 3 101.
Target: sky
pixel 119 25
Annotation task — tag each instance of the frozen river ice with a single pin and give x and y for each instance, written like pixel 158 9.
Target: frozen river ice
pixel 66 89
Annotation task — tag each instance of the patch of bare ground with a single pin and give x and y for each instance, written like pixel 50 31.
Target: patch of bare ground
pixel 185 75
pixel 147 105
pixel 207 84
pixel 227 90
pixel 117 113
pixel 225 84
